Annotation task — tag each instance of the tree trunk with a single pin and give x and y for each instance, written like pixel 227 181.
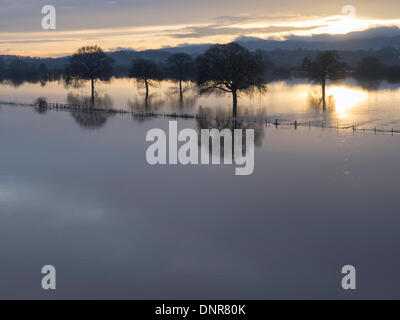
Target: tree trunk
pixel 92 99
pixel 323 94
pixel 180 90
pixel 147 93
pixel 234 96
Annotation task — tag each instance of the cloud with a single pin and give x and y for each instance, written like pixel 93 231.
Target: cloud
pixel 374 32
pixel 216 30
pixel 248 18
pixel 243 25
pixel 34 41
pixel 121 49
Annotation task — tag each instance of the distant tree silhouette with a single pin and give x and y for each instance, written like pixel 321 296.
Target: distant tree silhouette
pixel 180 67
pixel 90 63
pixel 19 68
pixel 2 68
pixel 43 70
pixel 145 71
pixel 393 73
pixel 326 65
pixel 229 68
pixel 370 68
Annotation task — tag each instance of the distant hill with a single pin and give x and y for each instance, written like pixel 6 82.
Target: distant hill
pixel 383 42
pixel 371 39
pixel 192 49
pixel 346 44
pixel 126 56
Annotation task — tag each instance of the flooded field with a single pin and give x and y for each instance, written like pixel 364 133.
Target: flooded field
pixel 368 104
pixel 87 202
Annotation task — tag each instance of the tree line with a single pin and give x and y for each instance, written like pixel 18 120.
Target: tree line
pixel 327 65
pixel 228 68
pixel 18 71
pixel 223 68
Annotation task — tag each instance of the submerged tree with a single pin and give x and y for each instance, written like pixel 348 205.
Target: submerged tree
pixel 230 68
pixel 90 63
pixel 145 71
pixel 179 67
pixel 325 66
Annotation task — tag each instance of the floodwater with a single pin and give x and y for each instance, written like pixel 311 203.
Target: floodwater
pixel 365 104
pixel 76 192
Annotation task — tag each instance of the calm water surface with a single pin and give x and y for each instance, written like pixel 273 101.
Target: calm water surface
pixel 83 198
pixel 368 104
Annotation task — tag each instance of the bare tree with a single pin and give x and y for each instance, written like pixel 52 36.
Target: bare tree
pixel 326 65
pixel 230 68
pixel 179 67
pixel 90 63
pixel 145 71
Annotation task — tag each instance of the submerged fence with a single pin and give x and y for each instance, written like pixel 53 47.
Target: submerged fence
pixel 268 121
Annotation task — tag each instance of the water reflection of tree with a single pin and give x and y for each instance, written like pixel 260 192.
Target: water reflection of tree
pixel 246 111
pixel 41 105
pixel 185 101
pixel 88 117
pixel 326 117
pixel 370 85
pixel 15 82
pixel 220 124
pixel 315 99
pixel 70 82
pixel 151 103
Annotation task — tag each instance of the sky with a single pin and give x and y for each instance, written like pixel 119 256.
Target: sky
pixel 152 24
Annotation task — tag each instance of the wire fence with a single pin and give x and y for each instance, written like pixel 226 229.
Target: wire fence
pixel 268 121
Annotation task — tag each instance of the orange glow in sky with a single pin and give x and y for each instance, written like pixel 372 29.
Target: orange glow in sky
pixel 63 42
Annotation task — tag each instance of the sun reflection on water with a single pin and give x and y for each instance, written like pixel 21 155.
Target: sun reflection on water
pixel 346 98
